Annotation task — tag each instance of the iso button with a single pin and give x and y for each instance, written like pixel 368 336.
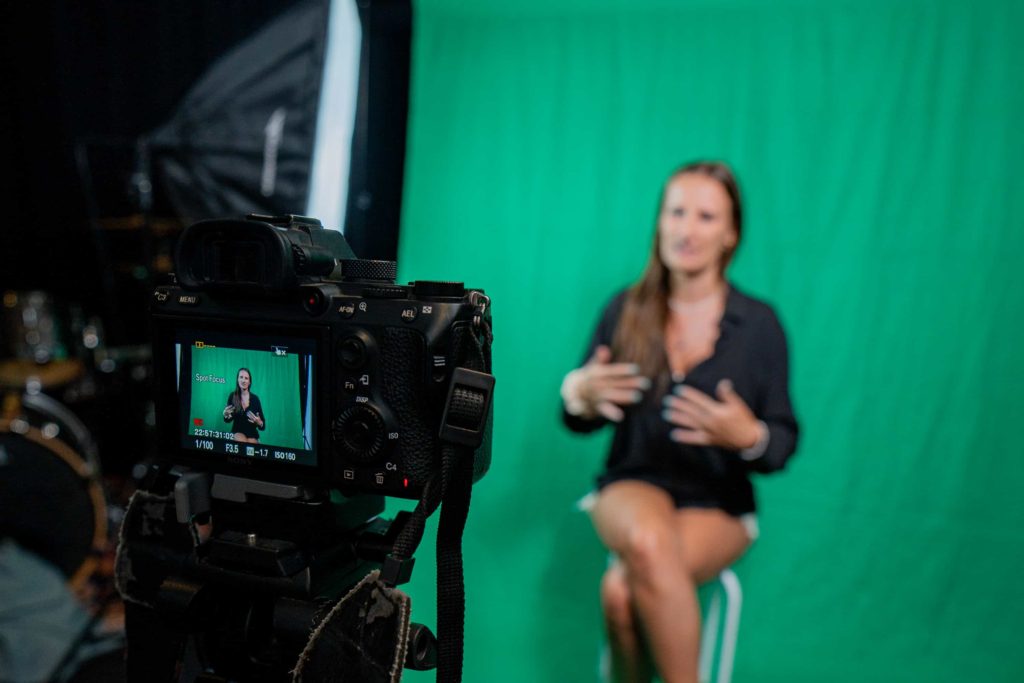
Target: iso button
pixel 409 314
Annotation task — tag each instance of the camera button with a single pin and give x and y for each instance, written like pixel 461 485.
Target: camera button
pixel 347 310
pixel 314 302
pixel 188 300
pixel 359 433
pixel 352 352
pixel 409 314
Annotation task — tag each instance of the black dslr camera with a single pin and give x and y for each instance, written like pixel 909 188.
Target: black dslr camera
pixel 297 386
pixel 358 380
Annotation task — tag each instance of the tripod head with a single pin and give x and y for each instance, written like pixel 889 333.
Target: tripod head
pixel 232 579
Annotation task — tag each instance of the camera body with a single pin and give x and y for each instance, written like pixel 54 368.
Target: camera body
pixel 280 358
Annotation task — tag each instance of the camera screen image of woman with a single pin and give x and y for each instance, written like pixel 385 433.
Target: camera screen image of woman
pixel 244 410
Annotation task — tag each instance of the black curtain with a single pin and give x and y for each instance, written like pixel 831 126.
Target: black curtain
pixel 100 74
pixel 161 85
pixel 374 209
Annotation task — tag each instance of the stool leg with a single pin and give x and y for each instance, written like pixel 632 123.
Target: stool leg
pixel 709 637
pixel 734 603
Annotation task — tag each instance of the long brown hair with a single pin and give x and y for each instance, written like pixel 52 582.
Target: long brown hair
pixel 640 335
pixel 236 395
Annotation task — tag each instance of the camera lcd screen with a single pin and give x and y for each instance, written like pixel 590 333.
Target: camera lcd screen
pixel 246 396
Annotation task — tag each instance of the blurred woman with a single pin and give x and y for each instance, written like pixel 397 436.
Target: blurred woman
pixel 694 375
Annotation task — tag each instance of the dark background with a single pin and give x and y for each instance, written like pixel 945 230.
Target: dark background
pixel 103 72
pixel 83 81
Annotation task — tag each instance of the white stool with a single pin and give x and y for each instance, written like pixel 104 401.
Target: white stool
pixel 728 598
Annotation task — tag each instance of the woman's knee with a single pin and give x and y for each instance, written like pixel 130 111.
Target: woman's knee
pixel 652 552
pixel 624 505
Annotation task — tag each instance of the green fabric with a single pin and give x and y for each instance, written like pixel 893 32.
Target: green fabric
pixel 275 380
pixel 881 152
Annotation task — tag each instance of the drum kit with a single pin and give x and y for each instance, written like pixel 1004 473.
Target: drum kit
pixel 56 501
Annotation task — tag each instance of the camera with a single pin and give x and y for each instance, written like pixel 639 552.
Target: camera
pixel 280 357
pixel 296 387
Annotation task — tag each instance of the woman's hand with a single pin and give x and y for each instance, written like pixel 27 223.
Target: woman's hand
pixel 602 388
pixel 704 421
pixel 254 418
pixel 229 411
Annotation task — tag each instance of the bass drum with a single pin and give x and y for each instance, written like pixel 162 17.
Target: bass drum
pixel 51 501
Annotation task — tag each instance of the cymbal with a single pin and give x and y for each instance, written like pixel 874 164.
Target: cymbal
pixel 18 373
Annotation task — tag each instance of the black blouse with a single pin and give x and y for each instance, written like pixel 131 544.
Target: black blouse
pixel 240 422
pixel 750 351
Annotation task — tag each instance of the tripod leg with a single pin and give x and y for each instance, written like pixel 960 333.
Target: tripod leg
pixel 153 649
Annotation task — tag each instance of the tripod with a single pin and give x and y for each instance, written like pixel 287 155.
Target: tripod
pixel 238 598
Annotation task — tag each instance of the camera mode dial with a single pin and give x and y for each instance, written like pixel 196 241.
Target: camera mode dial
pixel 359 433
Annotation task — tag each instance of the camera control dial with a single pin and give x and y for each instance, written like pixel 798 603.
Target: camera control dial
pixel 359 433
pixel 368 269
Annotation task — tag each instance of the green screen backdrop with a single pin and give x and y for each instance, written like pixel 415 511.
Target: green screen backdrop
pixel 275 380
pixel 880 147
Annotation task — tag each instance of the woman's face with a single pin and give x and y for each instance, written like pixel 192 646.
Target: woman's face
pixel 695 227
pixel 243 379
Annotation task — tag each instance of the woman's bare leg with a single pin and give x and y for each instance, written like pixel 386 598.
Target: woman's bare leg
pixel 630 662
pixel 712 540
pixel 637 522
pixel 653 586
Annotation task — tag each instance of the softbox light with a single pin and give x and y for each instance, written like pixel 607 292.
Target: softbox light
pixel 242 138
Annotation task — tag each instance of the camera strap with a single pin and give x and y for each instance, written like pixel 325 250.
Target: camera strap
pixel 451 488
pixel 451 590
